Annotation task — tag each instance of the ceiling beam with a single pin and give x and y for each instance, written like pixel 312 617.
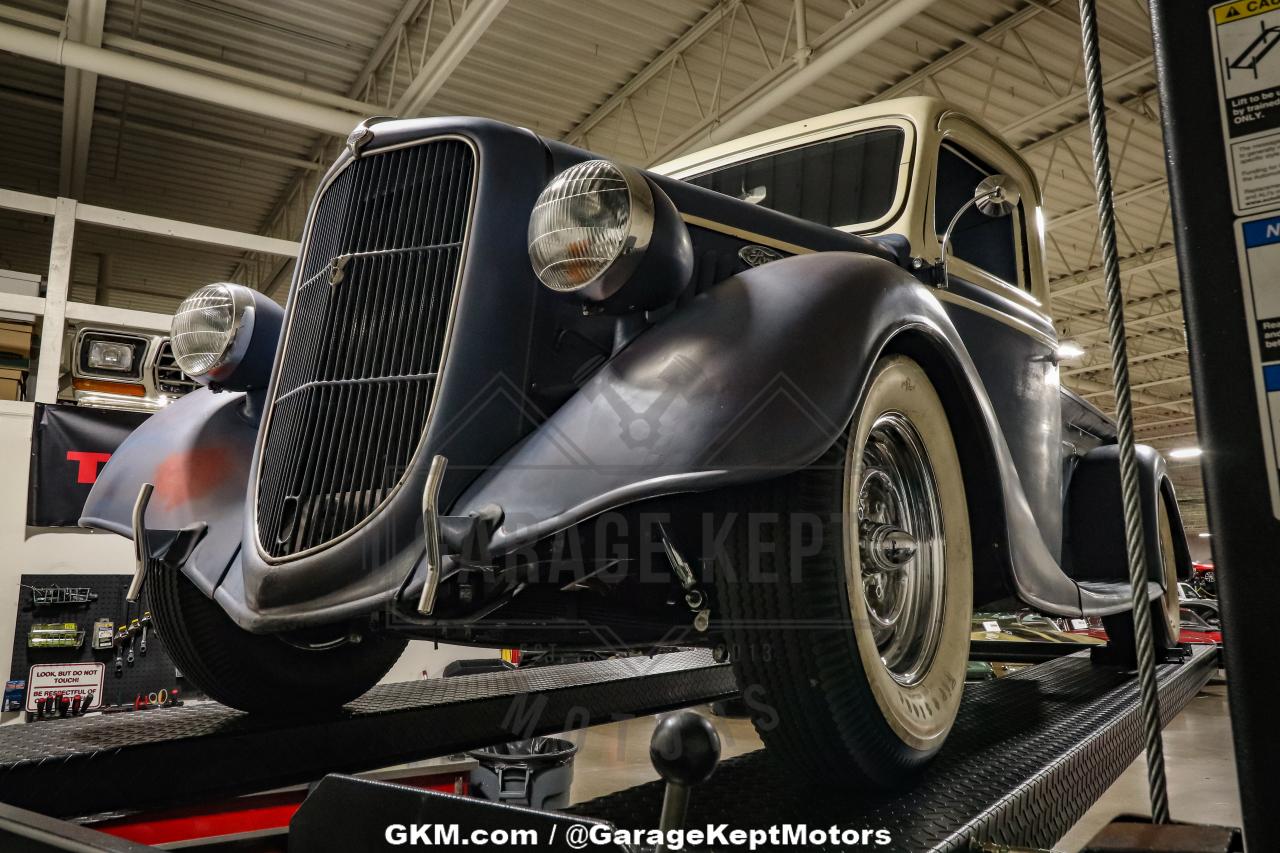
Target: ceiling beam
pixel 269 82
pixel 1091 387
pixel 79 90
pixel 1131 107
pixel 1076 99
pixel 112 119
pixel 1091 210
pixel 50 48
pixel 1141 262
pixel 446 58
pixel 705 24
pixel 851 36
pixel 1131 322
pixel 469 26
pixel 1133 359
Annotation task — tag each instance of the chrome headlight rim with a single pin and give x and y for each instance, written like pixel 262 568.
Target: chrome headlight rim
pixel 237 337
pixel 629 251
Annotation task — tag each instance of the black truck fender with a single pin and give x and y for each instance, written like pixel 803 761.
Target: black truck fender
pixel 1094 521
pixel 753 379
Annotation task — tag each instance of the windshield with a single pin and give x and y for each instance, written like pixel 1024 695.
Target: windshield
pixel 838 182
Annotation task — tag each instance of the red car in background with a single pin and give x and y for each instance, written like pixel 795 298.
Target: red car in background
pixel 1204 579
pixel 1194 629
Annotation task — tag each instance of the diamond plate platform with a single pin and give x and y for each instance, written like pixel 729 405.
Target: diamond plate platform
pixel 1027 757
pixel 150 759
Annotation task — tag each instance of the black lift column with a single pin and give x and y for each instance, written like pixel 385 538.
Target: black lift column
pixel 1220 97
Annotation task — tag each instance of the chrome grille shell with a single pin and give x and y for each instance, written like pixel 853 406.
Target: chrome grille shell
pixel 367 330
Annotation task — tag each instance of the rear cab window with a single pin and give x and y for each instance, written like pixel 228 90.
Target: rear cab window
pixel 851 182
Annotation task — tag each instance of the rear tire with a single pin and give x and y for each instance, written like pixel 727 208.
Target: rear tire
pixel 831 694
pixel 259 673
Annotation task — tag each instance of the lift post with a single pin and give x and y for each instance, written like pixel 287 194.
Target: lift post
pixel 1222 142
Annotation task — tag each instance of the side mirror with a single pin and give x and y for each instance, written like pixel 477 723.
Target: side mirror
pixel 996 196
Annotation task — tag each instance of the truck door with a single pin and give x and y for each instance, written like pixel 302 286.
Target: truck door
pixel 995 284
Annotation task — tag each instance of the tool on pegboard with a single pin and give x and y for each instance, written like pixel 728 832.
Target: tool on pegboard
pixel 145 622
pixel 55 635
pixel 104 634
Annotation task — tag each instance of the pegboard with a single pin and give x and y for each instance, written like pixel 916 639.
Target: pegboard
pixel 148 674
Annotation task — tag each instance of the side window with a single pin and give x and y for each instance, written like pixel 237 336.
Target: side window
pixel 844 181
pixel 997 245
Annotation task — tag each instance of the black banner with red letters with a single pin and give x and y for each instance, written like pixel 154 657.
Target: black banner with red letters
pixel 69 446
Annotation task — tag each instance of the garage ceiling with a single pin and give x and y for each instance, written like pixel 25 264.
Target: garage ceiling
pixel 635 79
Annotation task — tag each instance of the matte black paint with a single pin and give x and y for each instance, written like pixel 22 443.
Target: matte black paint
pixel 754 377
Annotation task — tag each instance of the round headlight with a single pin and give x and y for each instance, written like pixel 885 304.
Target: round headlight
pixel 204 327
pixel 590 228
pixel 599 225
pixel 225 334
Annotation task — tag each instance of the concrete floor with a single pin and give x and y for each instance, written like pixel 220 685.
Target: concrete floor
pixel 1198 750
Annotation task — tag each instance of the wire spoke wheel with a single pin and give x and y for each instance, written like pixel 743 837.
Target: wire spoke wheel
pixel 903 550
pixel 858 650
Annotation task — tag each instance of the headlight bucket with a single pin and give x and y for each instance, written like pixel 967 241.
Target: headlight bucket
pixel 225 335
pixel 604 233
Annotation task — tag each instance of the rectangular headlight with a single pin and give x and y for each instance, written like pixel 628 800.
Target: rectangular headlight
pixel 110 355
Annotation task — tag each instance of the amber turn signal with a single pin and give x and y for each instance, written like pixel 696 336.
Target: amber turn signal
pixel 101 386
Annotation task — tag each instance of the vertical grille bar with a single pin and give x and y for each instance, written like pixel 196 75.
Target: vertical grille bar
pixel 365 341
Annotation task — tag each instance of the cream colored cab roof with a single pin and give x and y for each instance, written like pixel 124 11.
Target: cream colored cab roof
pixel 921 111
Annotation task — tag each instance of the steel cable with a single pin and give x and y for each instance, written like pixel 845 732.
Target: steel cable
pixel 1134 539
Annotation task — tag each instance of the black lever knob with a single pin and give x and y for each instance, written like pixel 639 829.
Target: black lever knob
pixel 684 749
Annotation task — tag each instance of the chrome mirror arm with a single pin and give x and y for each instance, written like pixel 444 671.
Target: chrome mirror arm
pixel 945 283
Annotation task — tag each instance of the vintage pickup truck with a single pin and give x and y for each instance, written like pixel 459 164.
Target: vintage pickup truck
pixel 795 398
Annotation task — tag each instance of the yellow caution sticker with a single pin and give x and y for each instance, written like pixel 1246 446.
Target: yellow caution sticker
pixel 1246 44
pixel 1228 12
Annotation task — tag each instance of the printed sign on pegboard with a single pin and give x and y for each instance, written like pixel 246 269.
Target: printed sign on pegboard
pixel 48 680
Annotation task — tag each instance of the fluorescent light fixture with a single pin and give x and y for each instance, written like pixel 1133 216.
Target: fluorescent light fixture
pixel 1068 350
pixel 1185 453
pixel 1205 535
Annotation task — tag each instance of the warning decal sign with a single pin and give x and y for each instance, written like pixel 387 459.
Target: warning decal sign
pixel 1258 241
pixel 1246 40
pixel 1243 9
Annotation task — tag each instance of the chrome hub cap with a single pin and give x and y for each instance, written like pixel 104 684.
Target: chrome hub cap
pixel 901 547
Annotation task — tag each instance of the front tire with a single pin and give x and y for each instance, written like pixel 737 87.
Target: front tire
pixel 260 673
pixel 852 658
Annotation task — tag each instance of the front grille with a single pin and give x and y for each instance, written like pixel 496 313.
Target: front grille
pixel 169 377
pixel 365 339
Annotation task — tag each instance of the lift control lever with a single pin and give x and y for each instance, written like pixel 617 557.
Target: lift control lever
pixel 684 749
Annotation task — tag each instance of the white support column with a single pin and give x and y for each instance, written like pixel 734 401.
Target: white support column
pixel 55 301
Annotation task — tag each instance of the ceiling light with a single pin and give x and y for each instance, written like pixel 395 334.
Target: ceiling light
pixel 1185 453
pixel 1068 350
pixel 1205 535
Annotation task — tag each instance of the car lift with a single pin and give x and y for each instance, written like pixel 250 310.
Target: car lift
pixel 1028 755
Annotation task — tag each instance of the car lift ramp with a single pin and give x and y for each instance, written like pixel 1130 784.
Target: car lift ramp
pixel 200 752
pixel 1028 755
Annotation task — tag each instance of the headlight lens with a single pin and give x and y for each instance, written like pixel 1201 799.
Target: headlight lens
pixel 591 223
pixel 110 355
pixel 203 329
